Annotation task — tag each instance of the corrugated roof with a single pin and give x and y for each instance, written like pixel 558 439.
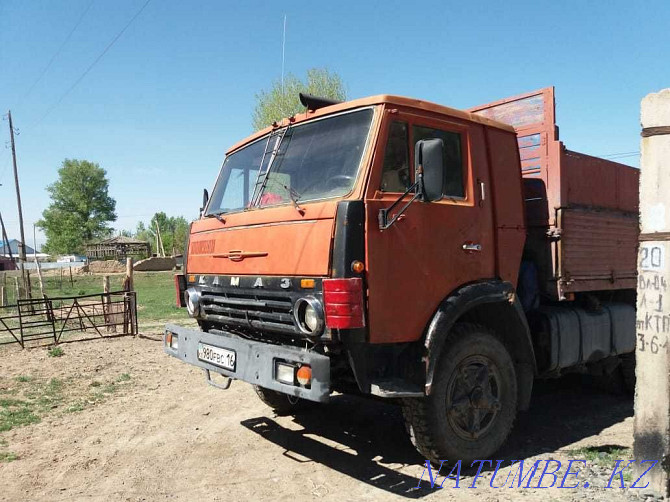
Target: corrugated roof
pixel 14 246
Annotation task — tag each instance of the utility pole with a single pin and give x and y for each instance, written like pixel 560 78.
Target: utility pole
pixel 6 240
pixel 22 244
pixel 652 353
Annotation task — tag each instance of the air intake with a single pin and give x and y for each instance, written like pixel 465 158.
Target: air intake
pixel 314 102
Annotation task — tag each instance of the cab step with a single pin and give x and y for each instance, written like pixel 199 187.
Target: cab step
pixel 395 388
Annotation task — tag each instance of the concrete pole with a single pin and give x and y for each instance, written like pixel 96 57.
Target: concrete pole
pixel 652 392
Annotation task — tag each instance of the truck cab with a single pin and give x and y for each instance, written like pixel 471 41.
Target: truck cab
pixel 380 247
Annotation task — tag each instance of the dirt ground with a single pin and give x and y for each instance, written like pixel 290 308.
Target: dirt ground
pixel 161 433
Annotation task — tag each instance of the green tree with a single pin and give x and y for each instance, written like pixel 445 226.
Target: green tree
pixel 80 208
pixel 275 103
pixel 173 230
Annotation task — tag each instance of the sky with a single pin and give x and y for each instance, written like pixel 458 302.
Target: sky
pixel 177 88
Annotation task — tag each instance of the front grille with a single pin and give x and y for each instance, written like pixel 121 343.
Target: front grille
pixel 260 310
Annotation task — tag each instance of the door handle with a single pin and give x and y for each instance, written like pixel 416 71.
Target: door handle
pixel 469 247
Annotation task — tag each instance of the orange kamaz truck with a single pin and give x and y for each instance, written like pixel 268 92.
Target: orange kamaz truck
pixel 396 248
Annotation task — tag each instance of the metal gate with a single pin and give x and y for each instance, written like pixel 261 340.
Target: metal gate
pixel 47 321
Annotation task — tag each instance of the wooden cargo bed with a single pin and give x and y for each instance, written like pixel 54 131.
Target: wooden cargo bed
pixel 581 211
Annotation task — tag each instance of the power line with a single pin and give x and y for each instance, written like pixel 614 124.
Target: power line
pixel 58 51
pixel 620 154
pixel 90 67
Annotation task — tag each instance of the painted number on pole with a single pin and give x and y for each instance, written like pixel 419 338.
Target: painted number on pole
pixel 652 257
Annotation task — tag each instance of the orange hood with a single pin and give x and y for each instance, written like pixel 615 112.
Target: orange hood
pixel 269 241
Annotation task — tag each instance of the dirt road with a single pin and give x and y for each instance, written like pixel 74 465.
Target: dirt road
pixel 134 424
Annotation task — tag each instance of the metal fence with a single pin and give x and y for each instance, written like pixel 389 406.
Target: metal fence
pixel 55 320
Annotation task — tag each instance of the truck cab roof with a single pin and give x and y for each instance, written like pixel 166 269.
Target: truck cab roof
pixel 379 99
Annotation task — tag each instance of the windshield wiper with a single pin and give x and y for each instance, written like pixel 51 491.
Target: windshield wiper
pixel 216 215
pixel 294 195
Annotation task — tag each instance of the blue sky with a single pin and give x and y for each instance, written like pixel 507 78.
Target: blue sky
pixel 177 89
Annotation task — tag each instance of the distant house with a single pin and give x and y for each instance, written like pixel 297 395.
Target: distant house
pixel 14 248
pixel 117 248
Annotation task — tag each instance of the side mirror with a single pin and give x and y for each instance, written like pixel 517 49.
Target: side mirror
pixel 205 199
pixel 429 167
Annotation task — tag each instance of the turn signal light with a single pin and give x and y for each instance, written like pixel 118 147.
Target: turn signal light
pixel 307 283
pixel 343 303
pixel 304 375
pixel 357 266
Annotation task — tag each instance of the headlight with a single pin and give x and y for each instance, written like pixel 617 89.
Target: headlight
pixel 193 302
pixel 311 318
pixel 308 314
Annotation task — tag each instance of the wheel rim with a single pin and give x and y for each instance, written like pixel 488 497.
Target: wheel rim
pixel 473 397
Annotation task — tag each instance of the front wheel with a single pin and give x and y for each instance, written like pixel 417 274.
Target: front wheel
pixel 472 406
pixel 281 403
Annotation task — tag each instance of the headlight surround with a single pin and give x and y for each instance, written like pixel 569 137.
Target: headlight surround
pixel 193 302
pixel 309 317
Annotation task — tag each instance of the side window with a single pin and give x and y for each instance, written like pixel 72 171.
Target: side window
pixel 452 185
pixel 395 173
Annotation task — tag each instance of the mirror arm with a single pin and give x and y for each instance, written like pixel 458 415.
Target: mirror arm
pixel 384 221
pixel 205 200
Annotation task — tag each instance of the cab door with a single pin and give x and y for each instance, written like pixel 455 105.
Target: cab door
pixel 434 247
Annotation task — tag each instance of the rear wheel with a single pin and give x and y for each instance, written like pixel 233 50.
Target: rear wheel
pixel 281 403
pixel 628 372
pixel 473 403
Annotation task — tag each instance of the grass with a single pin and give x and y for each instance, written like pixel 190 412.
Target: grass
pixel 155 292
pixel 15 413
pixel 55 352
pixel 605 456
pixel 8 456
pixel 31 399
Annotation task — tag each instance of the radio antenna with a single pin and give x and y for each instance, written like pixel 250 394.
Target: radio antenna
pixel 283 47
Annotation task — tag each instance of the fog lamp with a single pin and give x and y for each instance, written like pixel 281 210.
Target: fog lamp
pixel 285 373
pixel 172 340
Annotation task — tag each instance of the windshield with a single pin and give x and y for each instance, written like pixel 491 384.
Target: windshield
pixel 310 161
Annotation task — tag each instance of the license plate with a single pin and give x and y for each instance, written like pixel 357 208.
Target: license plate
pixel 217 356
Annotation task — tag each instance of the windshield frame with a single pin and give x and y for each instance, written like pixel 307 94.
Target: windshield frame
pixel 264 137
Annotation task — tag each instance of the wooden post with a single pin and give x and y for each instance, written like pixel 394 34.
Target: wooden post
pixel 71 281
pixel 37 263
pixel 28 288
pixel 159 242
pixel 22 244
pixel 18 289
pixel 128 281
pixel 3 296
pixel 106 306
pixel 128 285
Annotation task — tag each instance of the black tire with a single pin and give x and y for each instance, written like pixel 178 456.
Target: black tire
pixel 281 403
pixel 619 380
pixel 628 372
pixel 474 365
